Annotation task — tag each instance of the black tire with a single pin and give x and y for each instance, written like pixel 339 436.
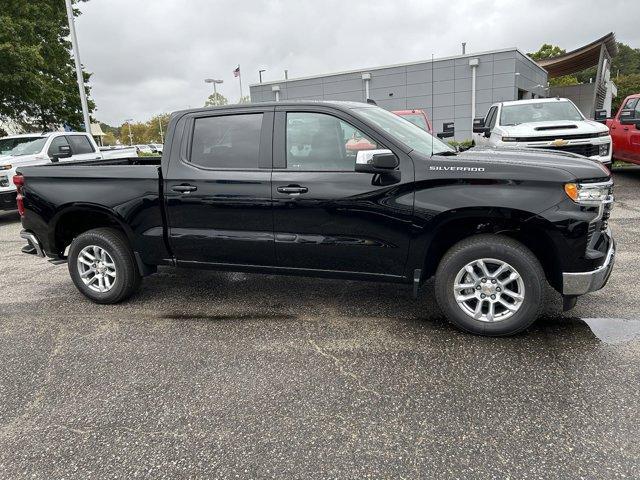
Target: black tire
pixel 127 279
pixel 494 247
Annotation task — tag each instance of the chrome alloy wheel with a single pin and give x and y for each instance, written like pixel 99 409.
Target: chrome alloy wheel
pixel 96 268
pixel 489 290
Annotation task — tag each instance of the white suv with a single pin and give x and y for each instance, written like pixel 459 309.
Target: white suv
pixel 552 123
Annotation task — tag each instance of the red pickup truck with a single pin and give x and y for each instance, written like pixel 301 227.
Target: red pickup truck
pixel 625 130
pixel 417 117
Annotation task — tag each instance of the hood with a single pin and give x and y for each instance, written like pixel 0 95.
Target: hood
pixel 556 127
pixel 9 160
pixel 576 166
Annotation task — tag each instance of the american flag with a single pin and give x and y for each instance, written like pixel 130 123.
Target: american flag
pixel 236 72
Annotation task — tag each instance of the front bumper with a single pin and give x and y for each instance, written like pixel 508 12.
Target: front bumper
pixel 579 283
pixel 8 200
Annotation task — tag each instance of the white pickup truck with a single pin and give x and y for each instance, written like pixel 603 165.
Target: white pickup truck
pixel 42 148
pixel 551 123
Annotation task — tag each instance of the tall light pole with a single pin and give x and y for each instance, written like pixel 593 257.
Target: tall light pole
pixel 215 82
pixel 160 124
pixel 260 74
pixel 76 57
pixel 129 120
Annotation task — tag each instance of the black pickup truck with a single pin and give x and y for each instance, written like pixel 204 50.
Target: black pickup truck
pixel 331 189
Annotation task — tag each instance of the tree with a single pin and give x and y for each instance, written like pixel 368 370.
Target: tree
pixel 245 99
pixel 549 51
pixel 215 100
pixel 37 71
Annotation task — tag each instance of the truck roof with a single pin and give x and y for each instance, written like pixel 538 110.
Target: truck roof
pixel 42 134
pixel 341 105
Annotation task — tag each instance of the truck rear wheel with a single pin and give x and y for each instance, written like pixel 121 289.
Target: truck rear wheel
pixel 102 266
pixel 490 285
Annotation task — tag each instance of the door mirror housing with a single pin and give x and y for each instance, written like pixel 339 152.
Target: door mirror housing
pixel 478 125
pixel 600 115
pixel 64 151
pixel 627 116
pixel 376 161
pixel 448 130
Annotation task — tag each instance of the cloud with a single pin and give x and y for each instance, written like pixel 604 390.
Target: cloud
pixel 152 56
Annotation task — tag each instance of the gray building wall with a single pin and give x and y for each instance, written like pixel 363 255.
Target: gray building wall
pixel 443 89
pixel 582 95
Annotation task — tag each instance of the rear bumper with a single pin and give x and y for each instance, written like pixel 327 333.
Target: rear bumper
pixel 8 201
pixel 33 241
pixel 579 283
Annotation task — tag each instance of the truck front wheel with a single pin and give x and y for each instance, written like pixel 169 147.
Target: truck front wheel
pixel 102 265
pixel 490 285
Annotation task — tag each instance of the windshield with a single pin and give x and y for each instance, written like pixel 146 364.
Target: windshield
pixel 539 112
pixel 408 133
pixel 17 146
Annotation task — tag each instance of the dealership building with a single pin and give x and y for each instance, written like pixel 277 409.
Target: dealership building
pixel 458 89
pixel 454 89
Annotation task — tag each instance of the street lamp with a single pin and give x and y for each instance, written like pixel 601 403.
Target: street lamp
pixel 260 74
pixel 129 120
pixel 215 82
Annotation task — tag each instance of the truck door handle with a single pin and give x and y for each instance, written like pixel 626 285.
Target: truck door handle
pixel 184 188
pixel 293 189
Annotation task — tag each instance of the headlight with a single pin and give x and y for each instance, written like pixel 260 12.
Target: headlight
pixel 587 194
pixel 604 150
pixel 509 139
pixel 6 167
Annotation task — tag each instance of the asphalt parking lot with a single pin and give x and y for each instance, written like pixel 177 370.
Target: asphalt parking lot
pixel 217 375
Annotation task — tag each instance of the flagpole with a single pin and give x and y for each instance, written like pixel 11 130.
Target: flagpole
pixel 240 80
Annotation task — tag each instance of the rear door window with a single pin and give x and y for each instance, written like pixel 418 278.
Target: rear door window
pixel 54 147
pixel 227 141
pixel 80 144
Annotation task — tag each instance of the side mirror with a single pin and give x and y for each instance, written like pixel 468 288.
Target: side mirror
pixel 376 161
pixel 627 116
pixel 600 115
pixel 448 130
pixel 64 151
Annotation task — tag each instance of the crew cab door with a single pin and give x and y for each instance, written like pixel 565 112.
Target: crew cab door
pixel 328 217
pixel 217 188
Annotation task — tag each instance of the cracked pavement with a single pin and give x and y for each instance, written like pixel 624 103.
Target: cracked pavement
pixel 226 375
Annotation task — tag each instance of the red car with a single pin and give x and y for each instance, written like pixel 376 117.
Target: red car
pixel 625 130
pixel 417 117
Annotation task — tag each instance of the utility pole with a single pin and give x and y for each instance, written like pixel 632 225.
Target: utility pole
pixel 129 120
pixel 464 47
pixel 260 74
pixel 76 57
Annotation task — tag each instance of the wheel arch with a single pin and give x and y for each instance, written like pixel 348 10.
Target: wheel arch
pixel 71 221
pixel 450 227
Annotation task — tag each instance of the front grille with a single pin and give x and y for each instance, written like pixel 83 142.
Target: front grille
pixel 586 150
pixel 4 181
pixel 551 138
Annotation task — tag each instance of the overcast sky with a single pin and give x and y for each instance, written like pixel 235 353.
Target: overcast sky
pixel 151 56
